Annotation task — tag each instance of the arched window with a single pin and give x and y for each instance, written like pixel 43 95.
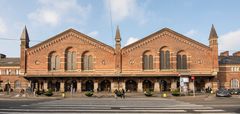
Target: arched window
pixel 181 61
pixel 234 83
pixel 147 61
pixel 17 84
pixel 70 56
pixel 53 61
pixel 87 62
pixel 164 59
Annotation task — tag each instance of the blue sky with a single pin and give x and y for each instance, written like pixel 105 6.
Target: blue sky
pixel 136 19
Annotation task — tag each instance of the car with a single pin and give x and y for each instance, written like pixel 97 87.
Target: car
pixel 234 91
pixel 223 93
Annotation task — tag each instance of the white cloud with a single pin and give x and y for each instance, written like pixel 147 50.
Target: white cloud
pixel 122 9
pixel 230 41
pixel 93 34
pixel 131 40
pixel 53 12
pixel 3 27
pixel 192 33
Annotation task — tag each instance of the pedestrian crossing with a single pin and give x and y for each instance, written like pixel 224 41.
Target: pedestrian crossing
pixel 125 106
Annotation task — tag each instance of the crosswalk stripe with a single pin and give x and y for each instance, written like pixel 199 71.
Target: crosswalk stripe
pixel 217 110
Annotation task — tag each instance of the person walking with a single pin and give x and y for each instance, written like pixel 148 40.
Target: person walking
pixel 115 93
pixel 123 93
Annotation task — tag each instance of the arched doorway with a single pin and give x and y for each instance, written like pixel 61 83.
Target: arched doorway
pixel 70 85
pixel 57 86
pixel 131 86
pixel 105 85
pixel 89 85
pixel 200 84
pixel 35 85
pixel 147 85
pixel 163 85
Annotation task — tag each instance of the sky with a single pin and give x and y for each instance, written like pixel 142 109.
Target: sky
pixel 136 19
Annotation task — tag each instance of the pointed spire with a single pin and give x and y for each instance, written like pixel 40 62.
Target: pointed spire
pixel 213 33
pixel 118 36
pixel 24 35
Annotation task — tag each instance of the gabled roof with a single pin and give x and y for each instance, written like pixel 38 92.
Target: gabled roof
pixel 69 31
pixel 229 60
pixel 170 31
pixel 10 62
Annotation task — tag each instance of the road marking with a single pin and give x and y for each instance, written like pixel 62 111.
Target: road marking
pixel 209 110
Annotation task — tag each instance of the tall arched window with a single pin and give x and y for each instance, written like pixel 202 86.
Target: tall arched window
pixel 87 62
pixel 17 84
pixel 70 63
pixel 147 61
pixel 181 61
pixel 164 59
pixel 53 62
pixel 234 83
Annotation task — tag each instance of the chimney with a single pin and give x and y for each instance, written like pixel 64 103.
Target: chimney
pixel 225 53
pixel 2 56
pixel 237 54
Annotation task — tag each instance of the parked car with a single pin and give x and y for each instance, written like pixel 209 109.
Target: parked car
pixel 223 93
pixel 234 91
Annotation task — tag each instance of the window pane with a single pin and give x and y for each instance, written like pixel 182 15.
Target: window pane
pixel 85 62
pixel 179 62
pixel 53 62
pixel 167 59
pixel 90 62
pixel 74 62
pixel 150 62
pixel 57 59
pixel 145 62
pixel 162 60
pixel 69 60
pixel 184 62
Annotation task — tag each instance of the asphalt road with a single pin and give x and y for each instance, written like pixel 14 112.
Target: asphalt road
pixel 129 105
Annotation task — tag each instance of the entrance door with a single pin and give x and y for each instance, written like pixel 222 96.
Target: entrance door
pixel 70 85
pixel 131 86
pixel 89 85
pixel 147 85
pixel 163 85
pixel 105 85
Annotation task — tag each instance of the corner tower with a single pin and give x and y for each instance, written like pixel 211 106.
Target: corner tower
pixel 213 44
pixel 118 55
pixel 23 49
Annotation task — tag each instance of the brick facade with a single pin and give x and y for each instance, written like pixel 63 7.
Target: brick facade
pixel 114 68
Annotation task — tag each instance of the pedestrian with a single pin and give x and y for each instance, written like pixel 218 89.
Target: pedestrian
pixel 115 93
pixel 123 93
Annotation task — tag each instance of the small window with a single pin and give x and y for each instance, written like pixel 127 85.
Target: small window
pixel 17 84
pixel 234 83
pixel 147 61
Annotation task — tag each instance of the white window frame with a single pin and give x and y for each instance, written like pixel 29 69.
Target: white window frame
pixel 234 83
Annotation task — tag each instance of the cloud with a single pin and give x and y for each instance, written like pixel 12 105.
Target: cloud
pixel 122 9
pixel 53 12
pixel 93 34
pixel 230 41
pixel 3 27
pixel 192 33
pixel 131 40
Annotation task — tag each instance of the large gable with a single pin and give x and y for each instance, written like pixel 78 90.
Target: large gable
pixel 65 35
pixel 160 34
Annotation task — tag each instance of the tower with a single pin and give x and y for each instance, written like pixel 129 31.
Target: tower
pixel 23 49
pixel 213 44
pixel 118 51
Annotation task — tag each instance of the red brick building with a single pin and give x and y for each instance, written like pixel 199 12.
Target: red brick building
pixel 74 61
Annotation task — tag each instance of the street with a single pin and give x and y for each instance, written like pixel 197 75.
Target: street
pixel 158 105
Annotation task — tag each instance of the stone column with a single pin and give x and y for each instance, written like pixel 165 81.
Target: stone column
pixel 62 87
pixel 140 88
pixel 173 85
pixel 45 85
pixel 123 85
pixel 156 87
pixel 112 86
pixel 95 86
pixel 191 86
pixel 79 86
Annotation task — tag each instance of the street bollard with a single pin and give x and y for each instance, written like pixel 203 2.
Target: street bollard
pixel 63 95
pixel 164 95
